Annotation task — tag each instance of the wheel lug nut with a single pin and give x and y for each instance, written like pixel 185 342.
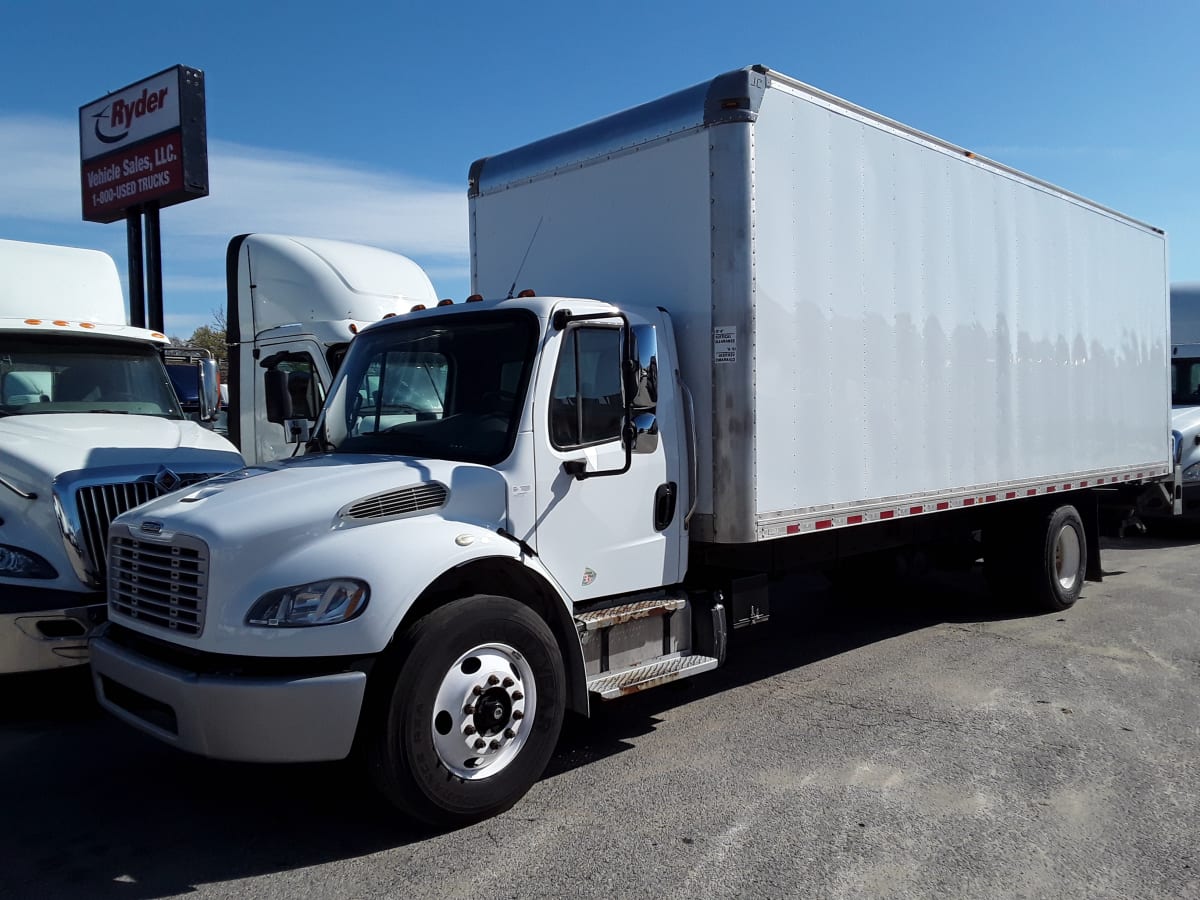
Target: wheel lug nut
pixel 517 714
pixel 517 695
pixel 495 745
pixel 509 733
pixel 480 743
pixel 469 709
pixel 508 682
pixel 492 679
pixel 470 729
pixel 477 690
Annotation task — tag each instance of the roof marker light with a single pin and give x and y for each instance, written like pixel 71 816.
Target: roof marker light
pixel 418 307
pixel 158 335
pixel 527 293
pixel 33 321
pixel 61 322
pixel 446 302
pixel 474 298
pixel 353 328
pixel 86 325
pixel 389 315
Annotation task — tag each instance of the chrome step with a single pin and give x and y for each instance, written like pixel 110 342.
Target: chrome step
pixel 611 685
pixel 615 615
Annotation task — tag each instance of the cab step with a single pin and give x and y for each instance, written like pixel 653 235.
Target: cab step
pixel 611 685
pixel 628 612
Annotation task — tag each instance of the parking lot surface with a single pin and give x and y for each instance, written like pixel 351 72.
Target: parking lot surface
pixel 911 741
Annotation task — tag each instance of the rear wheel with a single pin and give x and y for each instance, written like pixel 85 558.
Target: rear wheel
pixel 474 713
pixel 1064 560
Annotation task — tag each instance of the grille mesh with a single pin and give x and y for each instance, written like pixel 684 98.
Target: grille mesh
pixel 99 504
pixel 430 495
pixel 159 584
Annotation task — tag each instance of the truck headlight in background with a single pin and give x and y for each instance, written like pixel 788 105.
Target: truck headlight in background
pixel 1192 472
pixel 18 563
pixel 316 603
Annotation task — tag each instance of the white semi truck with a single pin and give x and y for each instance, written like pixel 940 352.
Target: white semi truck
pixel 89 428
pixel 1185 389
pixel 771 329
pixel 294 304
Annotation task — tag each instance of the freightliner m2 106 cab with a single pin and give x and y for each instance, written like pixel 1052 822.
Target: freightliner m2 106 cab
pixel 89 428
pixel 777 330
pixel 1185 388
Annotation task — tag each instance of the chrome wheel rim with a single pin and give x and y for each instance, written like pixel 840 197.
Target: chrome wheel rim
pixel 483 711
pixel 1067 553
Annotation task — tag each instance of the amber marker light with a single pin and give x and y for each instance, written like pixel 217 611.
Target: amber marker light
pixel 86 325
pixel 418 307
pixel 33 321
pixel 60 323
pixel 446 302
pixel 474 298
pixel 527 293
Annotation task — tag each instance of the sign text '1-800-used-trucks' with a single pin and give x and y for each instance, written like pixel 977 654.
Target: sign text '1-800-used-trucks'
pixel 772 329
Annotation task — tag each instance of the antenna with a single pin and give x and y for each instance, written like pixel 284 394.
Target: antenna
pixel 513 289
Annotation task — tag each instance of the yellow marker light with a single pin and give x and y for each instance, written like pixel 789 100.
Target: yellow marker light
pixel 33 321
pixel 61 323
pixel 86 325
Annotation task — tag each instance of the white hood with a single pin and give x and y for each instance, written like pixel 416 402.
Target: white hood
pixel 34 449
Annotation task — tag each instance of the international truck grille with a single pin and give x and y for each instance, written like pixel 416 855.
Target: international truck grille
pixel 403 501
pixel 159 584
pixel 99 504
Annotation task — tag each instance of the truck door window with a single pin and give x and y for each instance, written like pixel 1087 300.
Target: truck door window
pixel 303 384
pixel 587 406
pixel 1185 382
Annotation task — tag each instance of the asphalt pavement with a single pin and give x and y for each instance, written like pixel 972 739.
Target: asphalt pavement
pixel 924 740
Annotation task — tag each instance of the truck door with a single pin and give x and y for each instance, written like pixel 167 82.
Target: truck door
pixel 603 534
pixel 307 375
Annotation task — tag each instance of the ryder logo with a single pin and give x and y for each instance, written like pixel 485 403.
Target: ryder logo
pixel 114 121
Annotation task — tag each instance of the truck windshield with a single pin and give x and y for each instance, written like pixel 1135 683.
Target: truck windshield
pixel 82 375
pixel 447 388
pixel 1185 382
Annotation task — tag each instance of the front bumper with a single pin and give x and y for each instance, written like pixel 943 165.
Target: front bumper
pixel 251 718
pixel 42 628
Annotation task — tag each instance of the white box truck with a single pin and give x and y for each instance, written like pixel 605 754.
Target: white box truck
pixel 89 428
pixel 777 330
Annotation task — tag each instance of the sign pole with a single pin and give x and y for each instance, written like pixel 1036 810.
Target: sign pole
pixel 154 286
pixel 137 296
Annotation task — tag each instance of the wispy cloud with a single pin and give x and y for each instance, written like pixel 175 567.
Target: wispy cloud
pixel 252 189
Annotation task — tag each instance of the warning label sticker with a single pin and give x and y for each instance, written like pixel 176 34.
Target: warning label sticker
pixel 724 343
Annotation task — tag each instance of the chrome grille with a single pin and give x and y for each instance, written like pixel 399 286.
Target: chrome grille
pixel 158 583
pixel 99 504
pixel 430 495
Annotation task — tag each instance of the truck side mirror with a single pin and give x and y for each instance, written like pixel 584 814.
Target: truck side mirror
pixel 208 391
pixel 279 399
pixel 641 383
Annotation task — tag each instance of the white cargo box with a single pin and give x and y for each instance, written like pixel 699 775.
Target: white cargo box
pixel 874 323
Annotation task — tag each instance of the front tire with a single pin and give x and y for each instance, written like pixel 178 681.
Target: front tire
pixel 474 713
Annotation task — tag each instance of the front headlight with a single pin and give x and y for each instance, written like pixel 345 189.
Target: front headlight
pixel 18 563
pixel 1192 472
pixel 317 603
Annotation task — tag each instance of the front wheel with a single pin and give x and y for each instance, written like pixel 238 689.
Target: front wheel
pixel 474 713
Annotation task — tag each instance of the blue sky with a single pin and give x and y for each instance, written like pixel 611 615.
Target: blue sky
pixel 360 120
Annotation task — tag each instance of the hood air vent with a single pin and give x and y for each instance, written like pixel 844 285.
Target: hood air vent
pixel 400 502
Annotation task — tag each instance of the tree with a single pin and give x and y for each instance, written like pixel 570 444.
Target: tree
pixel 212 338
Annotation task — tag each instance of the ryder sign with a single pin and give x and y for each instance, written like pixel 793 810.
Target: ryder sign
pixel 146 143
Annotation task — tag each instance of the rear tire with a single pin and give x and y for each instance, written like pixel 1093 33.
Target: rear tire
pixel 473 715
pixel 1063 560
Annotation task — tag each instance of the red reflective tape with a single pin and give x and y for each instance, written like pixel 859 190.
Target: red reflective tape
pixel 990 498
pixel 1066 487
pixel 1083 484
pixel 968 501
pixel 853 520
pixel 943 505
pixel 1031 492
pixel 1010 495
pixel 793 529
pixel 1099 481
pixel 916 510
pixel 887 514
pixel 825 523
pixel 1050 489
